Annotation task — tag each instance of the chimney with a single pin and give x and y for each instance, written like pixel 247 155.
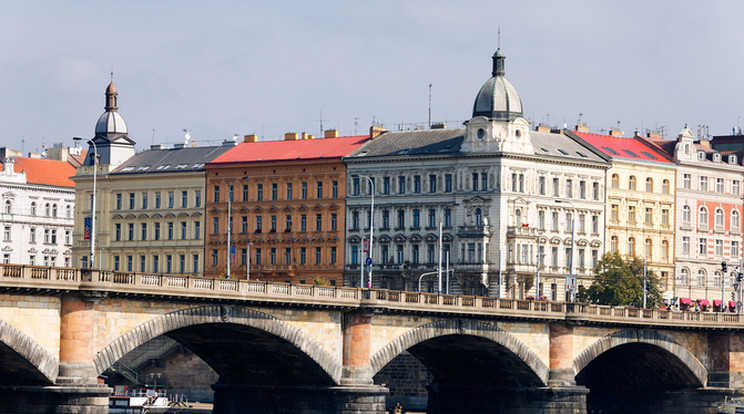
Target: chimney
pixel 439 125
pixel 616 132
pixel 375 130
pixel 331 133
pixel 250 138
pixel 310 136
pixel 653 135
pixel 582 127
pixel 290 136
pixel 542 128
pixel 304 135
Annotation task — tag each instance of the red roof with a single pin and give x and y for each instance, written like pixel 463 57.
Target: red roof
pixel 306 149
pixel 46 172
pixel 619 147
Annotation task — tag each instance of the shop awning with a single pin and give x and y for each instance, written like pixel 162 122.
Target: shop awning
pixel 703 302
pixel 716 302
pixel 685 301
pixel 732 304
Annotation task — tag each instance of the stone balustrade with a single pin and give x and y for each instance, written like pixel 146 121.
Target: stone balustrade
pixel 185 287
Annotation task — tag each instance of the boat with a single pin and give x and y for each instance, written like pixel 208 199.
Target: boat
pixel 731 406
pixel 138 401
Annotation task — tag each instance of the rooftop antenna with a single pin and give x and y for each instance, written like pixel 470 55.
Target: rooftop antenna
pixel 498 43
pixel 580 115
pixel 429 105
pixel 321 123
pixel 23 144
pixel 187 136
pixel 153 137
pixel 356 122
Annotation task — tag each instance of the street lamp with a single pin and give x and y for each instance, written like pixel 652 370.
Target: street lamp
pixel 573 238
pixel 371 225
pixel 539 264
pixel 230 193
pixel 93 208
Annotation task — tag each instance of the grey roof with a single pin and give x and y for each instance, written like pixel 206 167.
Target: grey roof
pixel 448 141
pixel 562 146
pixel 171 160
pixel 423 142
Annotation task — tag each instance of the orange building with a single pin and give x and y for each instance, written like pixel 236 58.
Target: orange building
pixel 286 206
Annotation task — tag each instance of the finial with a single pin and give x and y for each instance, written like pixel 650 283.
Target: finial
pixel 112 74
pixel 498 43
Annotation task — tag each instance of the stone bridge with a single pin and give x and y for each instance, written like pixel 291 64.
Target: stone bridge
pixel 280 348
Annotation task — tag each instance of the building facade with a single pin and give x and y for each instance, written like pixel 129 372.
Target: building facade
pixel 505 196
pixel 640 202
pixel 38 205
pixel 286 206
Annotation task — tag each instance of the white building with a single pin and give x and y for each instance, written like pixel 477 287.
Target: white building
pixel 38 202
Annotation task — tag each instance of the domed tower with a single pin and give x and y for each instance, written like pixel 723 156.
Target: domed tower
pixel 497 124
pixel 112 142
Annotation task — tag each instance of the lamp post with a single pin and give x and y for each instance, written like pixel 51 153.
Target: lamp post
pixel 230 194
pixel 93 207
pixel 573 238
pixel 539 264
pixel 371 223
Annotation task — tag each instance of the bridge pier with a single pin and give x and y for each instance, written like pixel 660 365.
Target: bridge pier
pixel 473 399
pixel 727 360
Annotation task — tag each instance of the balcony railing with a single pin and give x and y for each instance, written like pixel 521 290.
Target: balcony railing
pixel 28 278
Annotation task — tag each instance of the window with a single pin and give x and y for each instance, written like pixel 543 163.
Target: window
pixel 648 217
pixel 569 222
pixel 355 186
pixel 582 223
pixel 319 190
pixel 717 279
pixel 197 229
pixel 216 194
pixel 170 230
pixel 399 258
pixel 430 256
pixel 131 201
pixel 116 262
pixel 569 188
pixel 333 255
pixel 156 262
pixel 354 254
pixel 484 181
pixel 303 223
pixel 287 255
pixel 665 217
pixel 303 190
pixel 117 232
pixel 143 231
pixel 401 184
pixel 244 224
pixel 554 256
pixel 317 255
pixel 33 208
pixel 33 235
pixel 197 198
pixel 595 224
pixel 632 183
pixel 703 184
pixel 556 188
pixel 665 250
pixel 685 245
pixel 289 191
pixel 272 256
pixel 215 225
pixel 183 231
pixel 171 199
pixel 6 234
pixel 272 223
pixel 631 214
pixel 318 222
pixel 719 248
pixel 259 192
pixel 258 255
pixel 68 237
pixel 401 219
pixel 118 203
pixel 703 218
pixel 613 243
pixel 259 224
pixel 614 212
pixel 649 185
pixel 719 185
pixel 447 217
pixel 416 218
pixel 432 218
pixel 182 263
pixel 478 217
pixel 168 263
pixel 184 200
pixel 130 232
pixel 582 190
pixel 334 189
pixel 517 183
pixel 701 277
pixel 448 183
pixel 631 245
pixel 615 181
pixel 735 221
pixel 665 187
pixel 156 236
pixel 541 185
pixel 274 191
pixel 735 185
pixel 648 249
pixel 686 214
pixel 719 218
pixel 355 220
pixel 686 181
pixel 287 222
pixel 144 200
pixel 303 255
pixel 734 249
pixel 554 221
pixel 702 246
pixel 683 277
pixel 432 183
pixel 541 219
pixel 416 184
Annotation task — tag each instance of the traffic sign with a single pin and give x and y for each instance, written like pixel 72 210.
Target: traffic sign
pixel 369 261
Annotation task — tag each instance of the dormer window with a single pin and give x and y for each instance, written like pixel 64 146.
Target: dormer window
pixel 716 157
pixel 701 156
pixel 732 159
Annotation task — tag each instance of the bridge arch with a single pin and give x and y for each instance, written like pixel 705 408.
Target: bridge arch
pixel 220 315
pixel 462 327
pixel 35 364
pixel 643 336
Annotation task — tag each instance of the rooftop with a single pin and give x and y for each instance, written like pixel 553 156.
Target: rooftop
pixel 45 172
pixel 623 148
pixel 306 149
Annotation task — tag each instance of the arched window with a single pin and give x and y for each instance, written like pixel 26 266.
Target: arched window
pixel 701 277
pixel 631 245
pixel 478 217
pixel 69 211
pixel 615 181
pixel 686 214
pixel 649 185
pixel 735 221
pixel 684 276
pixel 613 243
pixel 665 250
pixel 518 217
pixel 703 217
pixel 54 210
pixel 48 209
pixel 8 206
pixel 717 279
pixel 632 183
pixel 648 249
pixel 33 208
pixel 665 186
pixel 719 218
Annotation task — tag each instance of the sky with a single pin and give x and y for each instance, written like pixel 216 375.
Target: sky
pixel 221 68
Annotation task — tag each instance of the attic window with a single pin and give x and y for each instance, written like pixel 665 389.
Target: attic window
pixel 198 165
pixel 163 167
pixel 544 150
pixel 181 166
pixel 701 156
pixel 562 151
pixel 610 150
pixel 648 154
pixel 145 168
pixel 732 159
pixel 717 157
pixel 127 169
pixel 631 153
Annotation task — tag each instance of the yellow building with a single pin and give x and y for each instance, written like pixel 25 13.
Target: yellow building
pixel 640 196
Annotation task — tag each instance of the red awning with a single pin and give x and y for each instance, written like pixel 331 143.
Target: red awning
pixel 703 302
pixel 732 304
pixel 685 301
pixel 716 302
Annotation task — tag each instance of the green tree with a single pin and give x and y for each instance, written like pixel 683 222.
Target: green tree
pixel 618 281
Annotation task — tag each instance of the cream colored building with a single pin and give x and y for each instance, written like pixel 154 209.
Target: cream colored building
pixel 640 202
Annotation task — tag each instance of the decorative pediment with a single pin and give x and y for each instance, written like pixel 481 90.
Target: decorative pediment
pixel 273 209
pixel 414 238
pixel 170 215
pixel 287 208
pixel 7 249
pixel 476 200
pixel 288 239
pixel 555 240
pixel 117 217
pixel 196 214
pixel 131 216
pixel 333 206
pixel 67 252
pixel 259 240
pixel 317 207
pixel 143 216
pixel 302 207
pixel 582 242
pixel 272 240
pixel 317 238
pixel 183 214
pixel 244 209
pixel 33 250
pixel 157 215
pixel 519 201
pixel 333 239
pixel 431 237
pixel 303 239
pixel 383 239
pixel 215 210
pixel 354 240
pixel 258 209
pixel 567 242
pixel 446 237
pixel 595 243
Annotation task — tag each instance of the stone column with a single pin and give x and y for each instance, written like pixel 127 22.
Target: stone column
pixel 726 360
pixel 561 355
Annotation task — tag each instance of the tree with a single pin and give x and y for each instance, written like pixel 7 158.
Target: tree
pixel 619 281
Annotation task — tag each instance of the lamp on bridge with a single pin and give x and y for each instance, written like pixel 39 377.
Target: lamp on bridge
pixel 93 206
pixel 230 194
pixel 571 279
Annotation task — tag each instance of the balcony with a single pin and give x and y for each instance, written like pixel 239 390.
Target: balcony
pixel 473 232
pixel 521 231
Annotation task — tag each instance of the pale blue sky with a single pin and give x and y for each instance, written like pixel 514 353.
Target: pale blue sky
pixel 225 67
